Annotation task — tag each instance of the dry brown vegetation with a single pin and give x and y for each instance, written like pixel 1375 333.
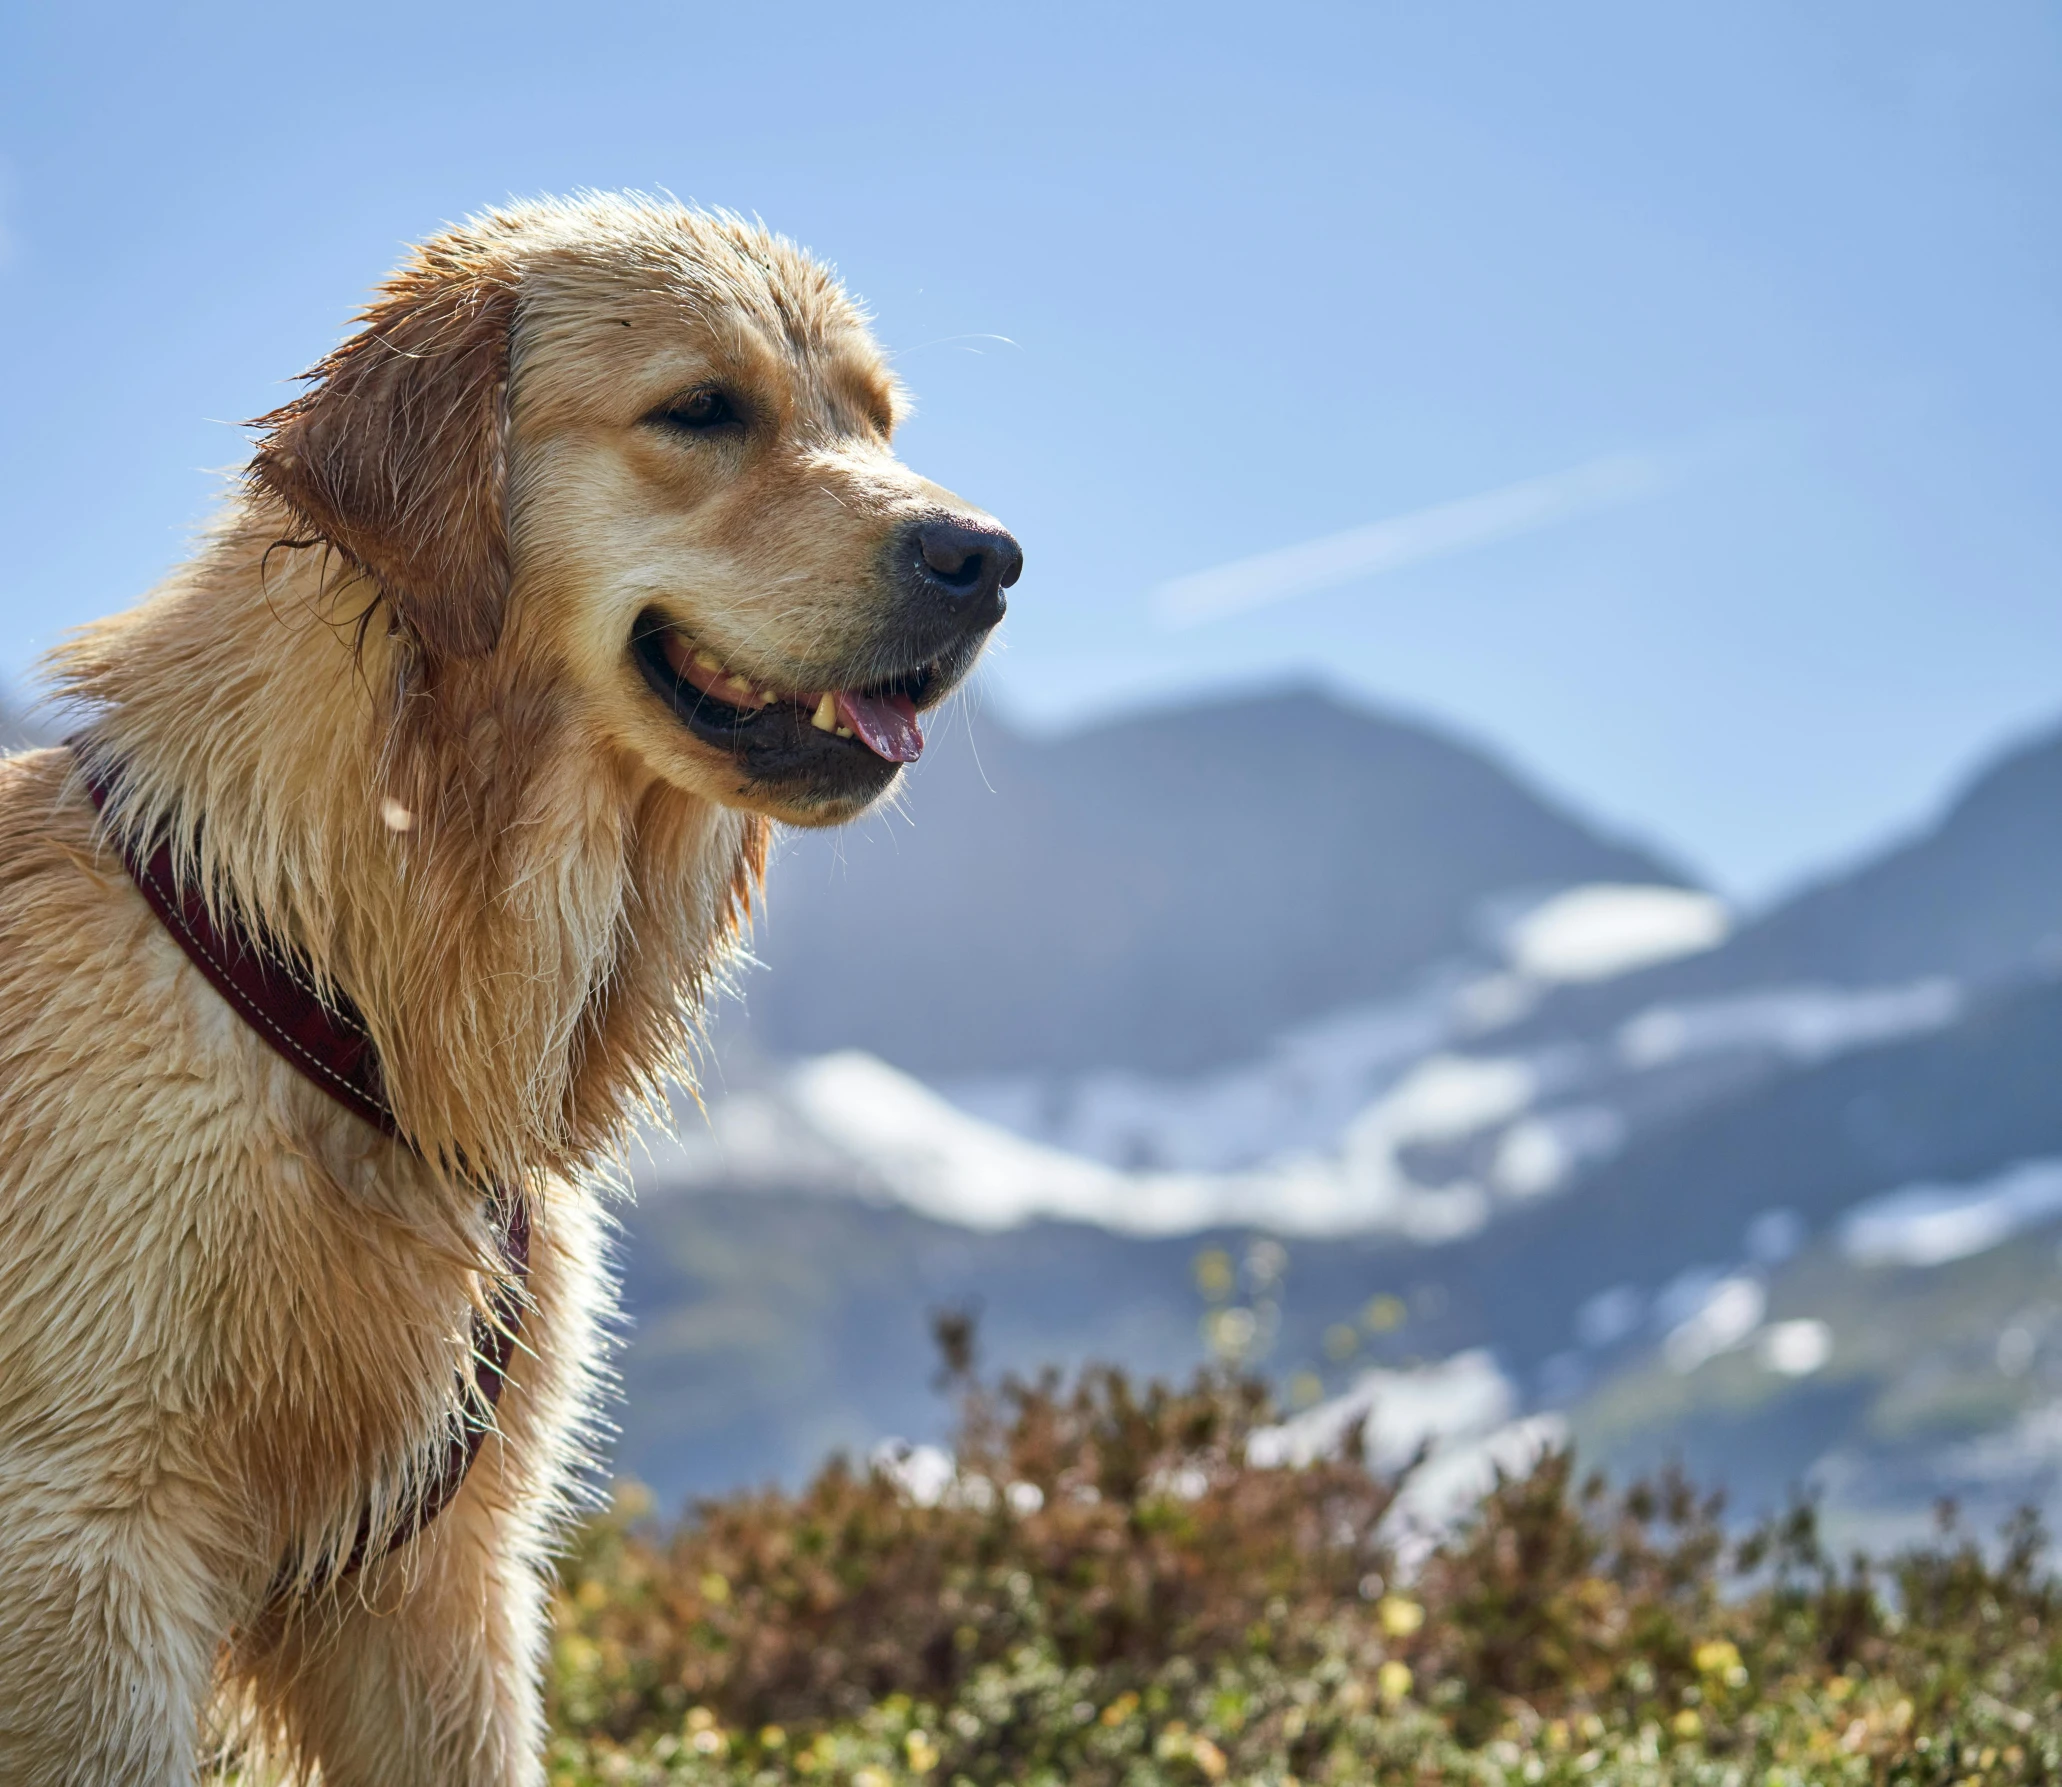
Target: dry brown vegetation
pixel 1106 1591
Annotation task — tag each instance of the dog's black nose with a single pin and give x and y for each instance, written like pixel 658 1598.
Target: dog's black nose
pixel 966 568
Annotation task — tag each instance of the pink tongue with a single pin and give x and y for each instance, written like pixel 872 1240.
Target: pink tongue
pixel 886 722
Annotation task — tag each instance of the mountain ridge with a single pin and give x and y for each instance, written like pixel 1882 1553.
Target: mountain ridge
pixel 1975 894
pixel 1633 1155
pixel 1313 853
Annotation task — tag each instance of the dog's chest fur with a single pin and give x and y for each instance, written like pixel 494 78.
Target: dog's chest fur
pixel 215 1282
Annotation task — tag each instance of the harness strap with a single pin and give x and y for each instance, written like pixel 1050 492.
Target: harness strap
pixel 326 1040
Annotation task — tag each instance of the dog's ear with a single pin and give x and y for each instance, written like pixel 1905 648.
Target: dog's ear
pixel 394 455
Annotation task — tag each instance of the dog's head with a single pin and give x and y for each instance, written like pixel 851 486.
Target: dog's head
pixel 651 446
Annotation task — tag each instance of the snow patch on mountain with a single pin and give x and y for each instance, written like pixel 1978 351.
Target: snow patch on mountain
pixel 851 1122
pixel 1539 1154
pixel 1604 929
pixel 1726 1317
pixel 1462 1413
pixel 1803 1023
pixel 1299 1093
pixel 1930 1225
pixel 1402 1116
pixel 1306 1086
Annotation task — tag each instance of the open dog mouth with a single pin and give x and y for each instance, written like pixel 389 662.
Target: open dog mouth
pixel 724 709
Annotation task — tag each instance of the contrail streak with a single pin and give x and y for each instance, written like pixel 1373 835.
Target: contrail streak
pixel 1385 546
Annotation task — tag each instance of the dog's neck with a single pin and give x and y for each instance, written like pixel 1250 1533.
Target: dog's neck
pixel 526 918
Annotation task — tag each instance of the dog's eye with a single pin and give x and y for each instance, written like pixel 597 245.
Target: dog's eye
pixel 699 412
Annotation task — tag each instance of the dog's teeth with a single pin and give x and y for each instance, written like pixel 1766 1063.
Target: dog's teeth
pixel 767 697
pixel 844 732
pixel 708 661
pixel 825 718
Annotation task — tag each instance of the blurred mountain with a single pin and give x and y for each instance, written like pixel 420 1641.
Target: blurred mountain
pixel 1951 1105
pixel 1892 1212
pixel 1784 1204
pixel 1978 897
pixel 1891 1365
pixel 1161 892
pixel 774 1324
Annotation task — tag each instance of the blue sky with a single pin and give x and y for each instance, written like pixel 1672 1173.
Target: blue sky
pixel 1759 302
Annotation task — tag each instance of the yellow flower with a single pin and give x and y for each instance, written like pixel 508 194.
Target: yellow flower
pixel 1717 1656
pixel 579 1655
pixel 1394 1679
pixel 1172 1742
pixel 715 1589
pixel 772 1737
pixel 922 1753
pixel 1214 1274
pixel 1400 1616
pixel 1687 1724
pixel 1383 1314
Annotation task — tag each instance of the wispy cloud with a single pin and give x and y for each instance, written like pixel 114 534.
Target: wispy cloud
pixel 1384 546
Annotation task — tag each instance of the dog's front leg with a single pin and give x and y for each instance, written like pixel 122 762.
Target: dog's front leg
pixel 425 1672
pixel 109 1627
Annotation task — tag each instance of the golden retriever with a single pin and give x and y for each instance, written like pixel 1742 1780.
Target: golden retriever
pixel 582 561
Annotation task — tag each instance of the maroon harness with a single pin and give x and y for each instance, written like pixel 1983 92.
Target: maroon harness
pixel 326 1039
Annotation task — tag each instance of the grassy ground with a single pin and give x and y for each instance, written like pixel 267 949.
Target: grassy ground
pixel 1104 1592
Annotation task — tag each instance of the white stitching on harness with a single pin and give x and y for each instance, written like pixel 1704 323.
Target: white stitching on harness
pixel 252 1013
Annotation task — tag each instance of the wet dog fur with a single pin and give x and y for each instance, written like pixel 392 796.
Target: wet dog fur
pixel 391 713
